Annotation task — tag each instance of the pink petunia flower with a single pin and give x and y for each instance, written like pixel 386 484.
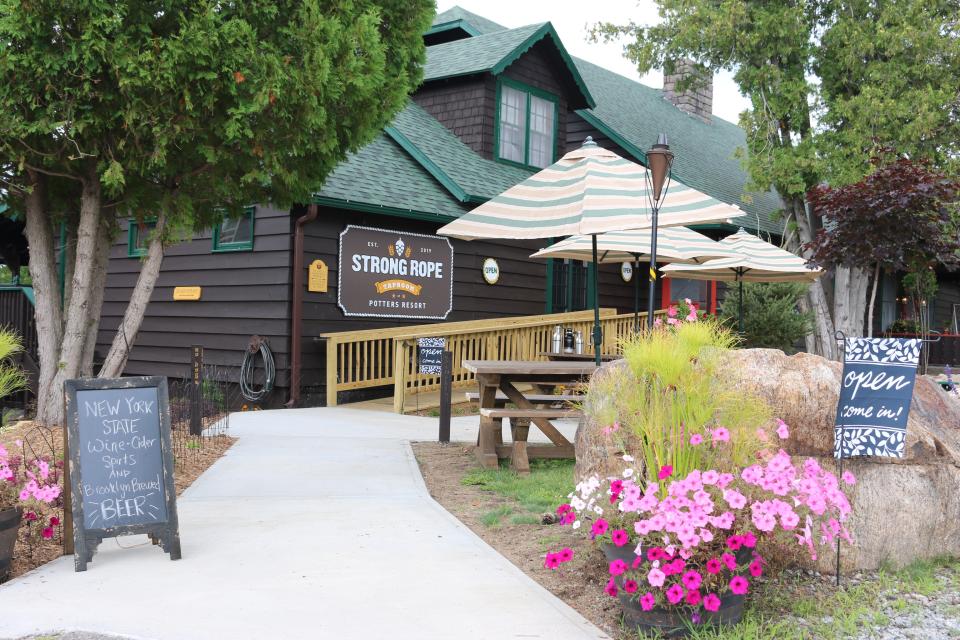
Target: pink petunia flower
pixel 599 528
pixel 54 521
pixel 696 439
pixel 692 580
pixel 711 602
pixel 739 585
pixel 566 554
pixel 617 567
pixel 552 561
pixel 782 430
pixel 734 542
pixel 47 533
pixel 630 586
pixel 656 577
pixel 734 498
pixel 749 540
pixel 655 553
pixel 611 588
pixel 675 594
pixel 647 601
pixel 756 568
pixel 693 598
pixel 620 537
pixel 562 509
pixel 714 566
pixel 848 478
pixel 729 560
pixel 672 311
pixel 720 434
pixel 665 472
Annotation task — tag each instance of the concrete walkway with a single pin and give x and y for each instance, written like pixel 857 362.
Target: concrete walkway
pixel 316 524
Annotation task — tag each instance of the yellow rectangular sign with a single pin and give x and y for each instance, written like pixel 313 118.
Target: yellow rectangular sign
pixel 186 293
pixel 317 276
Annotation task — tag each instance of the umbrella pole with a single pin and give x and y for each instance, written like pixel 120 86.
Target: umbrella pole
pixel 636 292
pixel 597 331
pixel 653 267
pixel 740 305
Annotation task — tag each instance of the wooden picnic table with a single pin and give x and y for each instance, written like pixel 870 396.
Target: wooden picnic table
pixel 503 375
pixel 578 357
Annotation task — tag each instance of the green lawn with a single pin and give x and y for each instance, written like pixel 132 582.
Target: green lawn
pixel 547 486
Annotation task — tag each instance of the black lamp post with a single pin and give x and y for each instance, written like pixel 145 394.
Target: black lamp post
pixel 659 161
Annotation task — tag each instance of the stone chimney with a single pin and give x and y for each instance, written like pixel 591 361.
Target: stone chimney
pixel 695 92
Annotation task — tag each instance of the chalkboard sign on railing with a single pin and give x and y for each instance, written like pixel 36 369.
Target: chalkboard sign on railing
pixel 121 463
pixel 429 354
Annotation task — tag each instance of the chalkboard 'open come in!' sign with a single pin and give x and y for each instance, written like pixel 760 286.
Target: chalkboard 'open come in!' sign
pixel 121 463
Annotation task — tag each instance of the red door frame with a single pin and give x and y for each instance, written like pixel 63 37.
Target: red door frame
pixel 665 300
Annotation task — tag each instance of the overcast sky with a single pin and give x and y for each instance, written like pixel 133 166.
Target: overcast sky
pixel 570 18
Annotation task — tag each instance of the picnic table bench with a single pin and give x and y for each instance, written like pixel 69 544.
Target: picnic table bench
pixel 496 380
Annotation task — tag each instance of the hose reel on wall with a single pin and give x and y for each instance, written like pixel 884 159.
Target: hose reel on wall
pixel 258 345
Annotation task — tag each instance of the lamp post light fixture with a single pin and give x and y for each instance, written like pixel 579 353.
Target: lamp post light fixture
pixel 659 162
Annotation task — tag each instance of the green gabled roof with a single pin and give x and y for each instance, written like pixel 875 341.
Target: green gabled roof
pixel 382 178
pixel 466 19
pixel 632 114
pixel 494 52
pixel 468 176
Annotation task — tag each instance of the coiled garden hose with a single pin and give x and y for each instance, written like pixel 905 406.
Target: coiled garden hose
pixel 247 370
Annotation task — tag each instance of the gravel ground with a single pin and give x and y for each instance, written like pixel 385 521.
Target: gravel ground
pixel 927 610
pixel 915 615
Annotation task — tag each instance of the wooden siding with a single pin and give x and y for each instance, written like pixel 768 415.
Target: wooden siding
pixel 465 107
pixel 521 290
pixel 244 293
pixel 948 295
pixel 541 67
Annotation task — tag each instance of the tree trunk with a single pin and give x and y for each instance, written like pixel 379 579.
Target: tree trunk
pixel 850 299
pixel 68 258
pixel 126 333
pixel 77 314
pixel 873 300
pixel 822 341
pixel 48 314
pixel 101 258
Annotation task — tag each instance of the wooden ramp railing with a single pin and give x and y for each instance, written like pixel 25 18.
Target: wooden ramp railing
pixel 364 359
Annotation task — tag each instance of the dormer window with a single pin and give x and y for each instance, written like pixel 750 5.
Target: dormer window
pixel 526 125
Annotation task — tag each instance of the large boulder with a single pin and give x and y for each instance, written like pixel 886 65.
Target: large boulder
pixel 903 509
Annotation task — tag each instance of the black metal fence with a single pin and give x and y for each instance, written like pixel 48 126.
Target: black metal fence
pixel 206 405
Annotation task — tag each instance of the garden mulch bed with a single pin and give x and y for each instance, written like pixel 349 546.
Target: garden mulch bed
pixel 195 455
pixel 922 601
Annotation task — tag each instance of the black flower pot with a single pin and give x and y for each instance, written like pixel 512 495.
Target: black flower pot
pixel 9 526
pixel 672 622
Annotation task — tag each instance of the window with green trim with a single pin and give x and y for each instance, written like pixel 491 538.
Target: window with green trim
pixel 526 125
pixel 138 237
pixel 235 233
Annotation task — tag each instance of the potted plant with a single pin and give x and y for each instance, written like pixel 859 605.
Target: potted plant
pixel 705 488
pixel 27 483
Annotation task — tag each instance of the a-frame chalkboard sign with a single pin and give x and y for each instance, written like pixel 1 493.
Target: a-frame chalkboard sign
pixel 121 463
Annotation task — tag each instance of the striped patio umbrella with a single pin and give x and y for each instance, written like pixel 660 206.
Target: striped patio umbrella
pixel 588 191
pixel 757 261
pixel 674 245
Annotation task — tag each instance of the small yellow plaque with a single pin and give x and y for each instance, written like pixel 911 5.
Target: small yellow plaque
pixel 186 293
pixel 317 276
